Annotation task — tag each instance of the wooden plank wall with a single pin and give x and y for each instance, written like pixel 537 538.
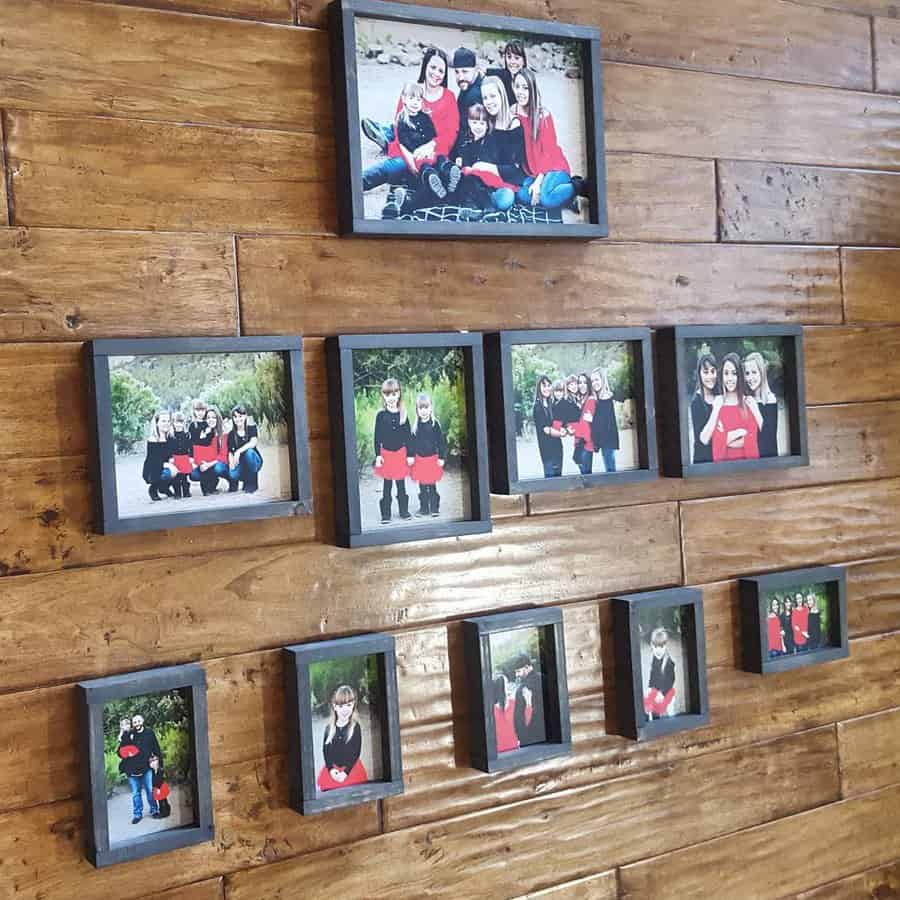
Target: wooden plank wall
pixel 168 171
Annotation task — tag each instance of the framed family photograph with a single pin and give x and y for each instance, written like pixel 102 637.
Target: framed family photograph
pixel 731 398
pixel 197 430
pixel 408 432
pixel 660 652
pixel 518 691
pixel 146 770
pixel 451 123
pixel 570 408
pixel 794 619
pixel 343 722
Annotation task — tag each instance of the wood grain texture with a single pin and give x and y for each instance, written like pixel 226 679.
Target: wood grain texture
pixel 4 200
pixel 859 7
pixel 594 887
pixel 262 10
pixel 459 856
pixel 179 68
pixel 768 202
pixel 213 889
pixel 60 284
pixel 870 354
pixel 803 527
pixel 688 873
pixel 873 597
pixel 882 883
pixel 122 173
pixel 887 55
pixel 868 752
pixel 530 286
pixel 871 280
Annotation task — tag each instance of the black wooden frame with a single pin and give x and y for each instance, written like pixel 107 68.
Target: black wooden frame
pixel 92 695
pixel 672 392
pixel 629 681
pixel 348 522
pixel 103 466
pixel 342 16
pixel 301 753
pixel 501 414
pixel 476 641
pixel 754 639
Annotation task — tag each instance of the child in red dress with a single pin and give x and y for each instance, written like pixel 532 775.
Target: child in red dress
pixel 393 453
pixel 661 683
pixel 429 451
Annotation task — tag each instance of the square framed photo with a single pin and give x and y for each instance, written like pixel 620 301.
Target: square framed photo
pixel 661 662
pixel 731 399
pixel 408 437
pixel 451 123
pixel 570 408
pixel 192 431
pixel 518 690
pixel 344 722
pixel 794 619
pixel 146 776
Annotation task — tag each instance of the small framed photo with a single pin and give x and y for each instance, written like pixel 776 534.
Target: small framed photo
pixel 146 776
pixel 518 691
pixel 343 722
pixel 793 619
pixel 661 662
pixel 460 124
pixel 731 398
pixel 408 432
pixel 570 409
pixel 192 431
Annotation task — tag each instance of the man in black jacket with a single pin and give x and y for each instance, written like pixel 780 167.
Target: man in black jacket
pixel 137 744
pixel 528 713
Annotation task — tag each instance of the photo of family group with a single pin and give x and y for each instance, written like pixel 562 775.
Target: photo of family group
pixel 519 686
pixel 347 702
pixel 665 634
pixel 411 435
pixel 801 618
pixel 199 431
pixel 149 764
pixel 576 407
pixel 736 399
pixel 469 125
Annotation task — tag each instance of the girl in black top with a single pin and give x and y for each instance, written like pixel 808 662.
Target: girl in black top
pixel 429 451
pixel 159 471
pixel 182 446
pixel 393 455
pixel 510 143
pixel 548 433
pixel 342 743
pixel 244 458
pixel 604 428
pixel 756 376
pixel 661 683
pixel 786 625
pixel 814 624
pixel 701 405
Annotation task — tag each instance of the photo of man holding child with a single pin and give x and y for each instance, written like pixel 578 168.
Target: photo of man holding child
pixel 462 125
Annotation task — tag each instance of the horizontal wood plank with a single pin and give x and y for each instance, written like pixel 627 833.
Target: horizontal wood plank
pixel 62 58
pixel 771 203
pixel 873 590
pixel 859 7
pixel 61 284
pixel 852 365
pixel 529 286
pixel 868 751
pixel 263 10
pixel 4 200
pixel 881 883
pixel 595 887
pixel 871 280
pixel 887 55
pixel 803 527
pixel 749 858
pixel 212 889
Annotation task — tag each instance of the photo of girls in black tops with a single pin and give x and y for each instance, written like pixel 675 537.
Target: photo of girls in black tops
pixel 800 619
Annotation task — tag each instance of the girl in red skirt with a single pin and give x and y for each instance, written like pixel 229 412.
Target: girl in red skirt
pixel 661 684
pixel 429 450
pixel 342 744
pixel 182 447
pixel 393 455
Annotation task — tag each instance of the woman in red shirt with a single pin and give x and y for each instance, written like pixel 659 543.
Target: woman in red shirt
pixel 549 182
pixel 210 452
pixel 774 632
pixel 583 454
pixel 504 727
pixel 735 420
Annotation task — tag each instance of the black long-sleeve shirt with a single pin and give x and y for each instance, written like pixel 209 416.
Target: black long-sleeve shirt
pixel 158 453
pixel 390 433
pixel 414 131
pixel 604 428
pixel 566 411
pixel 535 731
pixel 767 439
pixel 511 154
pixel 341 753
pixel 549 447
pixel 662 674
pixel 814 628
pixel 700 413
pixel 182 445
pixel 147 745
pixel 429 440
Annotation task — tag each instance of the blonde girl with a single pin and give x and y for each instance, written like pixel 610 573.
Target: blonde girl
pixel 756 376
pixel 604 428
pixel 159 469
pixel 393 451
pixel 342 743
pixel 661 683
pixel 429 451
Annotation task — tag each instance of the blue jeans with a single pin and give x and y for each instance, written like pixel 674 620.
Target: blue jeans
pixel 390 170
pixel 584 459
pixel 503 199
pixel 609 458
pixel 552 468
pixel 217 468
pixel 249 463
pixel 556 190
pixel 138 782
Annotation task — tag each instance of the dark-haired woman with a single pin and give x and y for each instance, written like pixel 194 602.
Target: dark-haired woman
pixel 814 626
pixel 735 421
pixel 244 458
pixel 549 435
pixel 514 61
pixel 583 454
pixel 702 406
pixel 787 629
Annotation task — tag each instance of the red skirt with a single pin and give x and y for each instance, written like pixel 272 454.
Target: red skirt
pixel 183 463
pixel 395 467
pixel 425 470
pixel 357 775
pixel 659 703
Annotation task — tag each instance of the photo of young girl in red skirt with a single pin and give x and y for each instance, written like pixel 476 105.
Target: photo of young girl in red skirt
pixel 342 744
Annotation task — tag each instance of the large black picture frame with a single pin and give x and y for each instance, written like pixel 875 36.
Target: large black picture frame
pixel 632 721
pixel 348 521
pixel 106 516
pixel 754 639
pixel 342 16
pixel 672 391
pixel 92 695
pixel 501 414
pixel 301 753
pixel 476 640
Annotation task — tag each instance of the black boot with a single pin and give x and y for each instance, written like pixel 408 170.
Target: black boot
pixel 403 506
pixel 169 488
pixel 435 503
pixel 176 486
pixel 185 486
pixel 233 486
pixel 423 503
pixel 385 504
pixel 153 492
pixel 251 484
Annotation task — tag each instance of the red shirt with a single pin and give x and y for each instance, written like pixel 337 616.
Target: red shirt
pixel 799 624
pixel 215 451
pixel 444 114
pixel 544 154
pixel 504 727
pixel 774 626
pixel 730 419
pixel 583 428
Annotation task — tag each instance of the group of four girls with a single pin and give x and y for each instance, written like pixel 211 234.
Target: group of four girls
pixel 794 624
